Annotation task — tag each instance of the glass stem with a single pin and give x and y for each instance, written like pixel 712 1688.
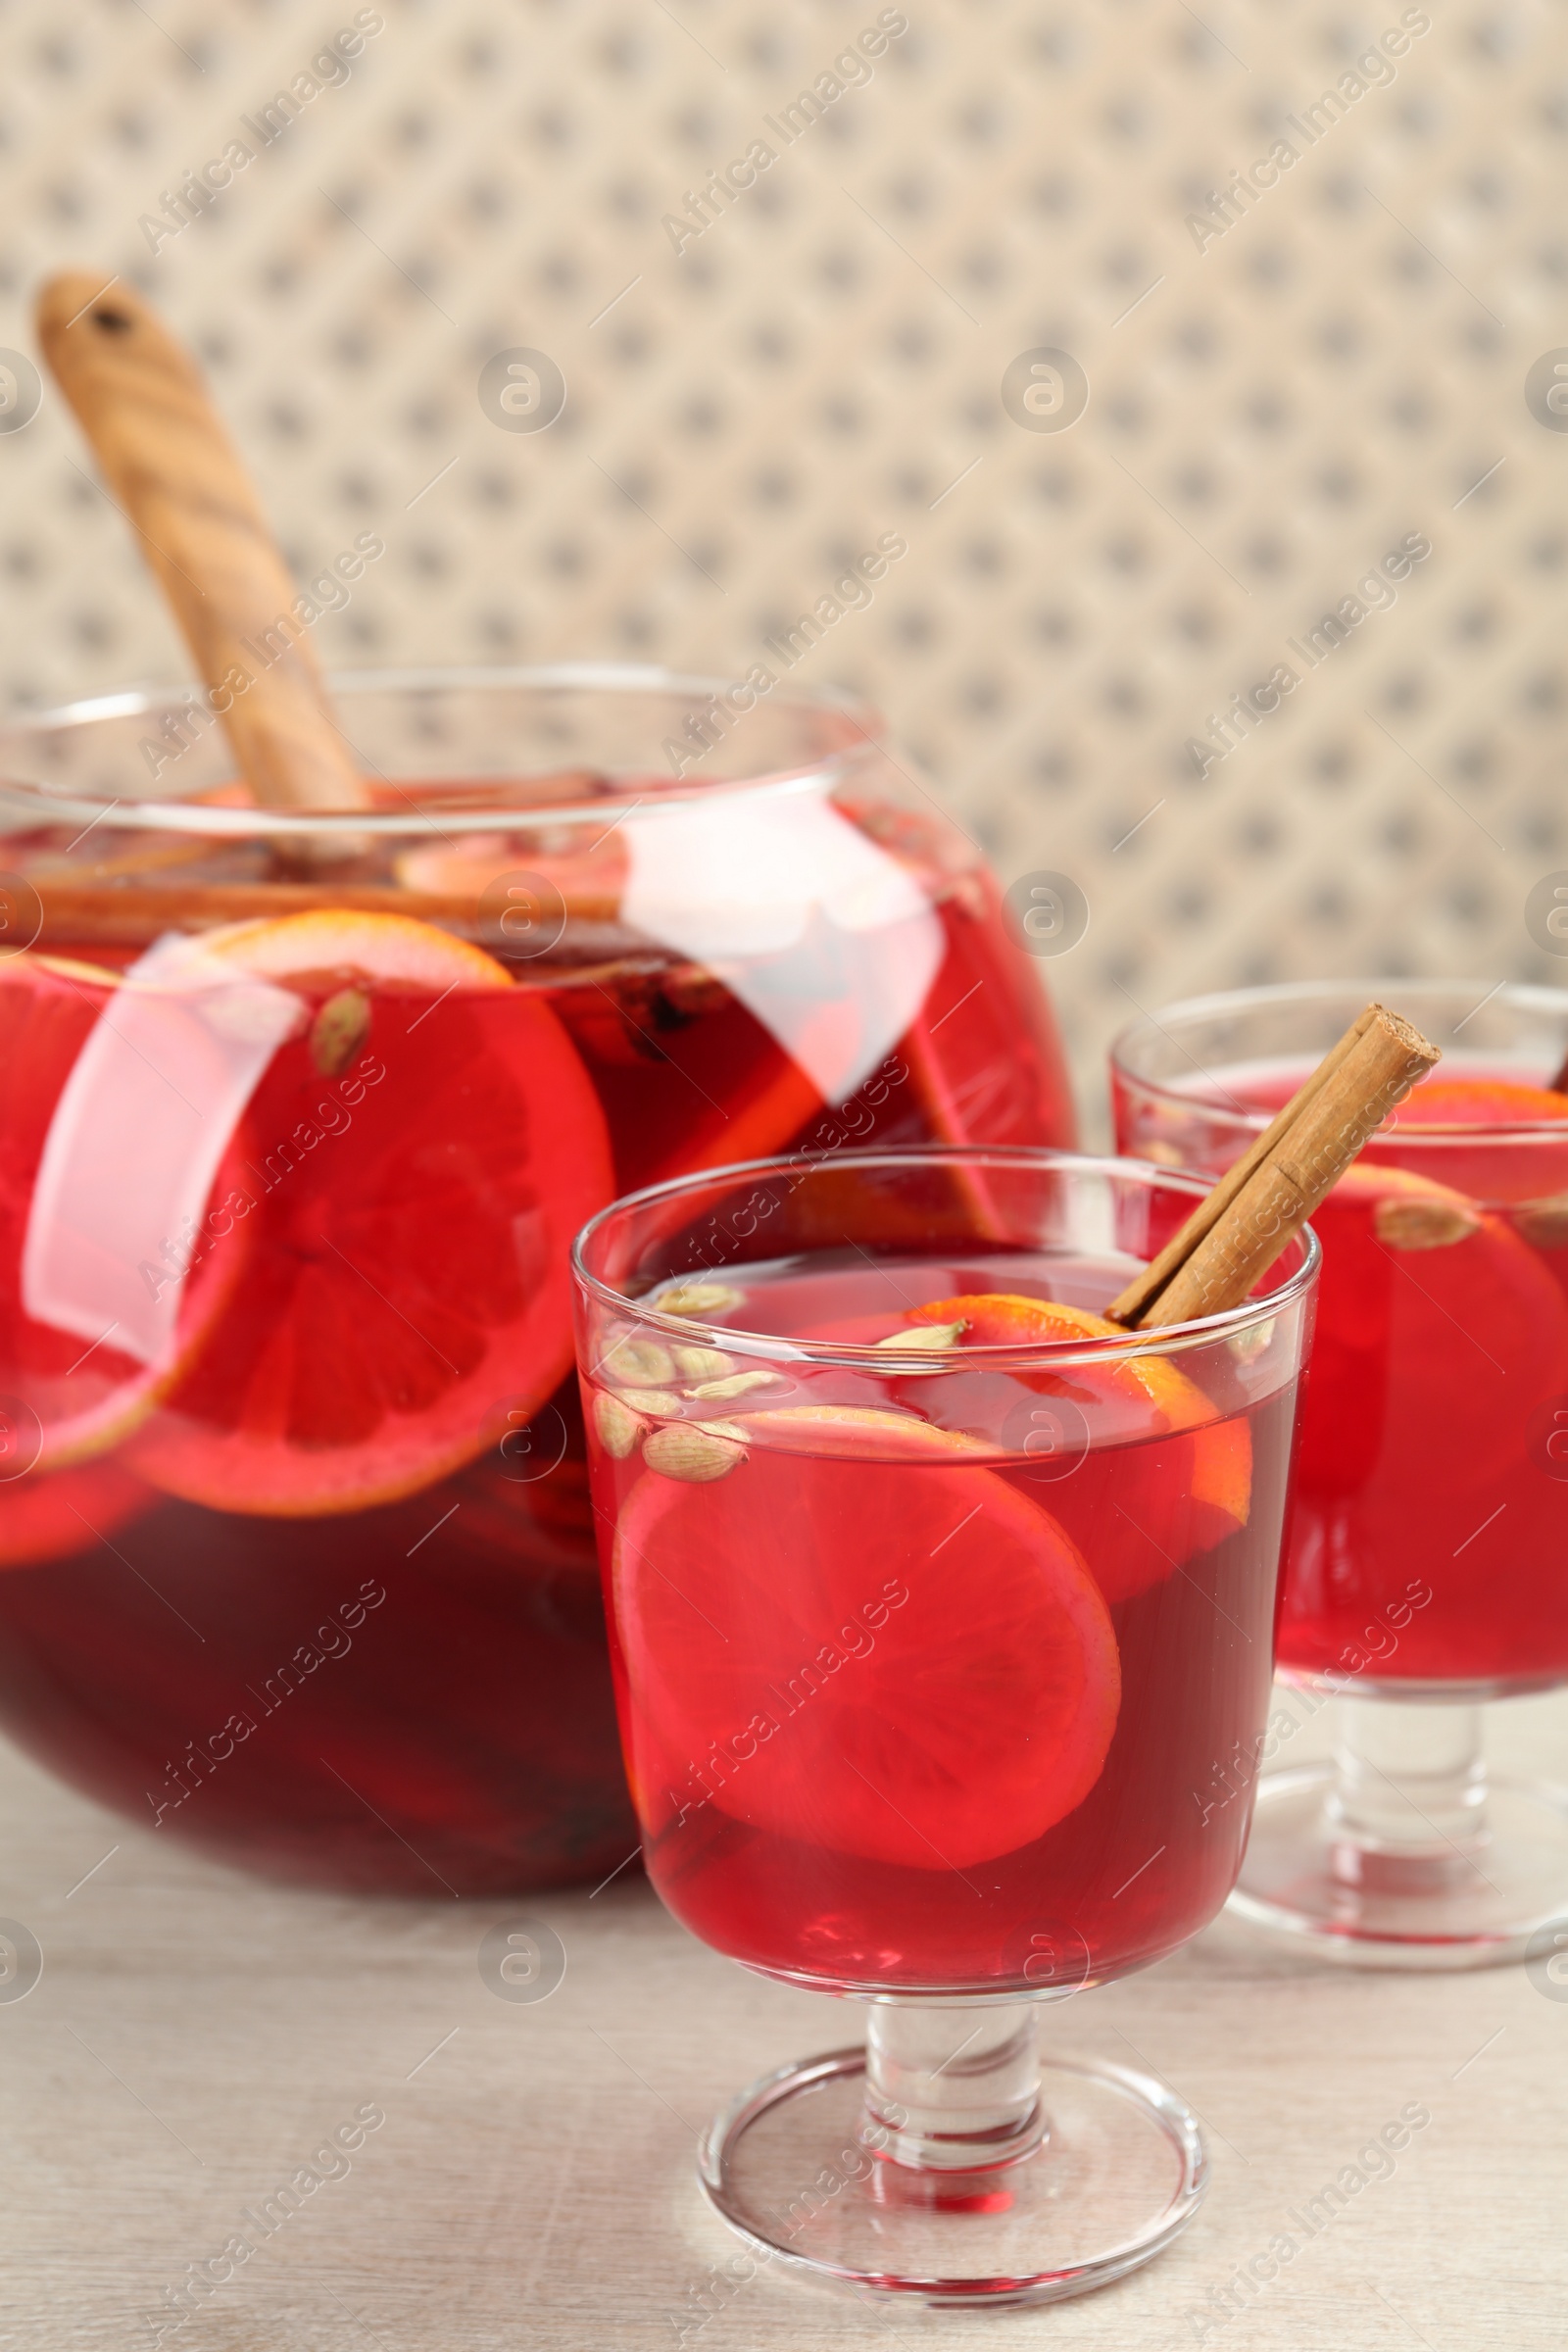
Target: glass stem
pixel 1409 1795
pixel 952 2089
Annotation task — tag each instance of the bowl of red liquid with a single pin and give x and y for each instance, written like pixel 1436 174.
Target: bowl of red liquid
pixel 933 1596
pixel 298 1116
pixel 1427 1561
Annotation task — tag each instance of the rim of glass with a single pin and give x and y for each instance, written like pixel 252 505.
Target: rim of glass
pixel 1167 1339
pixel 1527 995
pixel 44 804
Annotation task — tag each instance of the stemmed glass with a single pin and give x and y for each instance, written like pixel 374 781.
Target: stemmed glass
pixel 1427 1563
pixel 932 1604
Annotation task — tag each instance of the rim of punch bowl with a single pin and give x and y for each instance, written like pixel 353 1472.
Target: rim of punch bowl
pixel 42 804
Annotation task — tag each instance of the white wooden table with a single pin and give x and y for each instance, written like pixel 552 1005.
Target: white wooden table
pixel 197 2038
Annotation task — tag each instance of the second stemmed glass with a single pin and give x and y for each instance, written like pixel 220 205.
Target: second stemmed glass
pixel 932 1606
pixel 1427 1564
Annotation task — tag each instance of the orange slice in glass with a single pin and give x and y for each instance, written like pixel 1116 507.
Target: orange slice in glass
pixel 1478 1102
pixel 855 1429
pixel 415 1159
pixel 1139 1395
pixel 1440 1330
pixel 906 1663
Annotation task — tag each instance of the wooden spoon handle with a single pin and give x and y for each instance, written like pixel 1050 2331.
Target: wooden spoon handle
pixel 171 466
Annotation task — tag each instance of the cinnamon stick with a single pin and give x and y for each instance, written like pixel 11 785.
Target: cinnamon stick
pixel 121 915
pixel 171 468
pixel 1141 1294
pixel 124 902
pixel 1219 1255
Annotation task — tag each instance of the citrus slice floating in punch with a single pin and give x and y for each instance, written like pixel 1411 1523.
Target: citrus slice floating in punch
pixel 1183 1497
pixel 1478 1102
pixel 912 1662
pixel 1424 1276
pixel 416 1159
pixel 864 1431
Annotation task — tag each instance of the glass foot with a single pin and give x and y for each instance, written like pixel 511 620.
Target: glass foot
pixel 1470 1899
pixel 1113 2170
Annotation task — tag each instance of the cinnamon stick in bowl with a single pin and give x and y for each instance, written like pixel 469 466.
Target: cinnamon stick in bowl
pixel 173 471
pixel 1235 1234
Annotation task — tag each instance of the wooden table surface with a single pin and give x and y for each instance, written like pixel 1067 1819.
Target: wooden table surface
pixel 196 2036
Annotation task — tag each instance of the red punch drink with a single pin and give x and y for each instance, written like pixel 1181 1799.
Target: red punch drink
pixel 298 1117
pixel 1427 1557
pixel 1442 1308
pixel 935 1600
pixel 923 1673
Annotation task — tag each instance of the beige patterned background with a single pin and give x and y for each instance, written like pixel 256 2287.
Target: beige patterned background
pixel 1269 415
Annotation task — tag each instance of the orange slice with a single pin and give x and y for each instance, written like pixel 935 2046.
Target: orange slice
pixel 1440 1331
pixel 390 951
pixel 1478 1102
pixel 998 1319
pixel 855 1429
pixel 416 1158
pixel 1409 1211
pixel 1216 1463
pixel 910 1666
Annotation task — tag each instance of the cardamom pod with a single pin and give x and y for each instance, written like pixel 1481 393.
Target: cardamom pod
pixel 1408 1222
pixel 660 1403
pixel 703 1363
pixel 638 1363
pixel 696 1298
pixel 687 1449
pixel 925 1338
pixel 737 1384
pixel 339 1030
pixel 620 1428
pixel 1544 1223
